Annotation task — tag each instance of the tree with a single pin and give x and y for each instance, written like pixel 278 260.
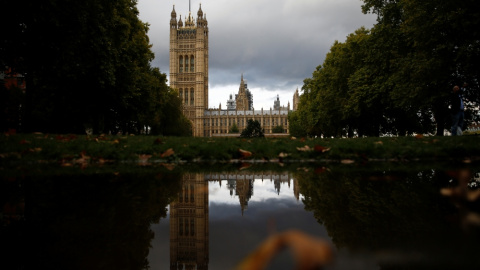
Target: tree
pixel 295 127
pixel 277 129
pixel 395 78
pixel 87 65
pixel 234 129
pixel 439 47
pixel 253 129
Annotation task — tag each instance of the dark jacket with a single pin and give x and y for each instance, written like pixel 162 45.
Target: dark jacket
pixel 455 101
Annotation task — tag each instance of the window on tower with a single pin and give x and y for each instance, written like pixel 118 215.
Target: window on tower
pixel 181 93
pixel 191 96
pixel 192 63
pixel 186 63
pixel 180 64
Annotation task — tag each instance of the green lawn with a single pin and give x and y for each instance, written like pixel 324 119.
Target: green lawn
pixel 70 150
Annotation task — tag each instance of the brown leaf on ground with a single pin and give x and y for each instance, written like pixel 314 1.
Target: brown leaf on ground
pixel 282 155
pixel 11 131
pixel 83 160
pixel 306 148
pixel 347 161
pixel 167 153
pixel 321 149
pixel 144 159
pixel 419 136
pixel 244 166
pixel 169 166
pixel 245 153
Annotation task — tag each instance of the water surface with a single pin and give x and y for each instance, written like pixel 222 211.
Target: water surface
pixel 400 217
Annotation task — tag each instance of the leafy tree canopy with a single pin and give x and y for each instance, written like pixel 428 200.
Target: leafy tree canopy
pixel 396 77
pixel 87 65
pixel 252 130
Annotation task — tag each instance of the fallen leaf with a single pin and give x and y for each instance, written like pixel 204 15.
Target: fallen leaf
pixel 378 143
pixel 24 141
pixel 419 136
pixel 167 153
pixel 282 155
pixel 293 138
pixel 144 158
pixel 245 153
pixel 309 252
pixel 169 166
pixel 11 131
pixel 244 166
pixel 320 170
pixel 306 148
pixel 347 161
pixel 321 149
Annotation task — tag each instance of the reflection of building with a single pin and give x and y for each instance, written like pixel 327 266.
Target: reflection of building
pixel 189 230
pixel 189 225
pixel 189 75
pixel 242 184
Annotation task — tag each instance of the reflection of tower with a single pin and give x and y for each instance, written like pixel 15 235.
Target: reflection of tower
pixel 296 189
pixel 244 191
pixel 189 225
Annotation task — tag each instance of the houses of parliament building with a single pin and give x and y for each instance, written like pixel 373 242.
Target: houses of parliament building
pixel 189 76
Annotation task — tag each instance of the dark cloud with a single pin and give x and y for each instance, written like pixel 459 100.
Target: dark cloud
pixel 275 43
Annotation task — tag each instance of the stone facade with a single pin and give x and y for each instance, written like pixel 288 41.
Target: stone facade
pixel 189 75
pixel 189 65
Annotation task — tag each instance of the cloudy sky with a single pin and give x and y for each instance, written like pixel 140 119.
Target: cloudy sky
pixel 276 44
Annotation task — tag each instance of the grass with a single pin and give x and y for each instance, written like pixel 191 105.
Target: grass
pixel 70 150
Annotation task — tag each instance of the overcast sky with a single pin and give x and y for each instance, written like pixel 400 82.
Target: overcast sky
pixel 276 44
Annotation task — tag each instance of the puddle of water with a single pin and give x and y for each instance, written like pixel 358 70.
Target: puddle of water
pixel 151 217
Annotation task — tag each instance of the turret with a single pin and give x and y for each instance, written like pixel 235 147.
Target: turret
pixel 180 23
pixel 200 12
pixel 173 20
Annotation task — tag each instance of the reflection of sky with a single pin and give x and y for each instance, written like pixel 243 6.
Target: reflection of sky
pixel 233 236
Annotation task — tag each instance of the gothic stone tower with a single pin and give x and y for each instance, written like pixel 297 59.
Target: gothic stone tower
pixel 189 65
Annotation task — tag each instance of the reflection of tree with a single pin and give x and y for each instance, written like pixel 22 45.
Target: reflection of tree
pixel 92 221
pixel 380 211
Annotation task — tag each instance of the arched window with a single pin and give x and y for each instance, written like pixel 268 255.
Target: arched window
pixel 186 96
pixel 180 91
pixel 191 96
pixel 186 63
pixel 180 63
pixel 192 63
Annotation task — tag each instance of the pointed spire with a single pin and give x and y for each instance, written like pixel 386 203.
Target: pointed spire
pixel 200 12
pixel 180 23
